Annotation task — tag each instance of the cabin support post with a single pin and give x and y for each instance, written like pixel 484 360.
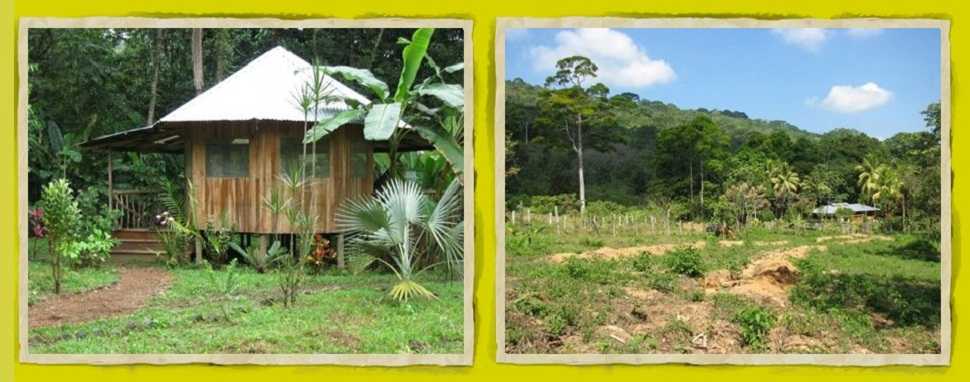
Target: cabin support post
pixel 198 248
pixel 111 195
pixel 340 251
pixel 262 242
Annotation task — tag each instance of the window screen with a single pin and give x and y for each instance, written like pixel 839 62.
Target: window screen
pixel 291 150
pixel 227 160
pixel 358 159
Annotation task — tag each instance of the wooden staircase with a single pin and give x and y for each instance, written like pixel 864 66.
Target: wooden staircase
pixel 137 245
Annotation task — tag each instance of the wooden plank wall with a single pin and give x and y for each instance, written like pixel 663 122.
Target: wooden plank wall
pixel 242 199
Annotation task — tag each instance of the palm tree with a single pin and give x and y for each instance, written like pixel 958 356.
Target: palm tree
pixel 401 227
pixel 892 189
pixel 871 173
pixel 784 182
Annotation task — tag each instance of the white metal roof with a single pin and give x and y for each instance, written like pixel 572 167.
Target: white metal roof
pixel 265 89
pixel 854 207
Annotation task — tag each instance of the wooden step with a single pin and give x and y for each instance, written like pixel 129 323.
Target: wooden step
pixel 134 234
pixel 126 245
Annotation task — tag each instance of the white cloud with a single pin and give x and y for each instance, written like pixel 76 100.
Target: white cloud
pixel 861 33
pixel 854 99
pixel 621 62
pixel 810 39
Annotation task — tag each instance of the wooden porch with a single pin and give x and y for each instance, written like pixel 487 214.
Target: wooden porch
pixel 136 231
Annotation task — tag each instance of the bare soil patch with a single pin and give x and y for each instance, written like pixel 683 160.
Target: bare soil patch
pixel 768 278
pixel 610 253
pixel 134 287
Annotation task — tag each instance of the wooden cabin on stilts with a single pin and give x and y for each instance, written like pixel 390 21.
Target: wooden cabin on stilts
pixel 238 139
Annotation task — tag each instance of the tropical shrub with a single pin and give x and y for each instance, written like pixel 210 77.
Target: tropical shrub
pixel 686 261
pixel 402 228
pixel 224 284
pixel 61 218
pixel 321 254
pixel 218 239
pixel 755 323
pixel 252 255
pixel 383 117
pixel 92 250
pixel 290 272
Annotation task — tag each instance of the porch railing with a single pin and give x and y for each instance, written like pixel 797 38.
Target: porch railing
pixel 138 208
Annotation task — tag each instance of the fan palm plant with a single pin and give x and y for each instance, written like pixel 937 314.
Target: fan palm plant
pixel 403 228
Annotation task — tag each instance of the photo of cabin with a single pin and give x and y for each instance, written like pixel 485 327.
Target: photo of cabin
pixel 226 191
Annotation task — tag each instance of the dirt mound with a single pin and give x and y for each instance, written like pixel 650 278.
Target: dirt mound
pixel 642 294
pixel 718 279
pixel 610 253
pixel 133 289
pixel 730 243
pixel 769 277
pixel 770 243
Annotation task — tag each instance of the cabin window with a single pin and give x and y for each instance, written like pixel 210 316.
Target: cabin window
pixel 359 151
pixel 291 149
pixel 227 159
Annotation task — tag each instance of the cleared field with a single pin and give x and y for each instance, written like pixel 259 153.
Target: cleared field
pixel 765 291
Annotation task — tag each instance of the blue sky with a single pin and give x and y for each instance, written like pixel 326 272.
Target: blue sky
pixel 873 80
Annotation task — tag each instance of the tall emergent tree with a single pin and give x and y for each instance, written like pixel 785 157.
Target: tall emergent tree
pixel 572 106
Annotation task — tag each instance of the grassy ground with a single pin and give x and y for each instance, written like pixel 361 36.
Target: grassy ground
pixel 337 313
pixel 41 284
pixel 875 295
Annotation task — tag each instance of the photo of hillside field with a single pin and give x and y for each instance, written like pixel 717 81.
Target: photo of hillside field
pixel 723 191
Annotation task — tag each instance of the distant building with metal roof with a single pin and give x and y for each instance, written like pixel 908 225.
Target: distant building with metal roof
pixel 856 208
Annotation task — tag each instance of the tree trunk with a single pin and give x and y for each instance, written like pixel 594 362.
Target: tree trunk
pixel 197 78
pixel 377 45
pixel 702 188
pixel 156 65
pixel 690 164
pixel 55 263
pixel 904 213
pixel 579 162
pixel 223 49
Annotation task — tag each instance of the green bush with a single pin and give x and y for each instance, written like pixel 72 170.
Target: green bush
pixel 644 262
pixel 62 219
pixel 605 208
pixel 92 250
pixel 589 270
pixel 591 242
pixel 661 281
pixel 905 300
pixel 686 262
pixel 755 324
pixel 526 240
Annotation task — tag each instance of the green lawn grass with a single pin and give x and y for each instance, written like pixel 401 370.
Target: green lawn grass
pixel 40 284
pixel 337 313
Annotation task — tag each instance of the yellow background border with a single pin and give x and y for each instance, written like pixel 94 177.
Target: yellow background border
pixel 483 14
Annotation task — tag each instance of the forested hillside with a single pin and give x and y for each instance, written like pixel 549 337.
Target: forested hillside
pixel 89 82
pixel 641 152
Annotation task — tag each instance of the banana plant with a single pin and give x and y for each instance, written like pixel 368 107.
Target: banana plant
pixel 390 116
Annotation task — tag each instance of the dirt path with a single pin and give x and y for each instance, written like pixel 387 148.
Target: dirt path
pixel 610 253
pixel 769 276
pixel 133 289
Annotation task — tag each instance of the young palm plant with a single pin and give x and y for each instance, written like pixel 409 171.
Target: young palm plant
pixel 402 228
